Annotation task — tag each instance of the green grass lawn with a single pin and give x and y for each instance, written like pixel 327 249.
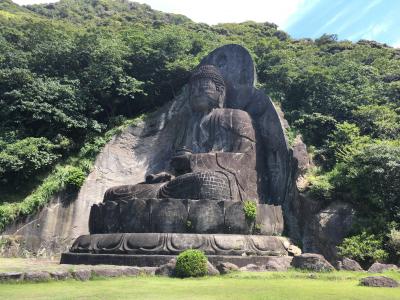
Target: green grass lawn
pixel 264 285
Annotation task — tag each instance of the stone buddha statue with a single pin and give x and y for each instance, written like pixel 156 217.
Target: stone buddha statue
pixel 217 145
pixel 215 150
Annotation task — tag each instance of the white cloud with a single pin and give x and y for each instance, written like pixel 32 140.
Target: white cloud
pixel 358 16
pixel 213 11
pixel 396 44
pixel 323 28
pixel 374 31
pixel 303 7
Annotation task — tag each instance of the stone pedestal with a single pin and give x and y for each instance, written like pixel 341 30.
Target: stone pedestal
pixel 183 216
pixel 154 249
pixel 174 243
pixel 158 260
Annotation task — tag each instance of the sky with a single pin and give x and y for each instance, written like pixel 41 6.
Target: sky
pixel 350 19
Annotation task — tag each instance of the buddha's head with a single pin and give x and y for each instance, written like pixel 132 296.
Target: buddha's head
pixel 207 89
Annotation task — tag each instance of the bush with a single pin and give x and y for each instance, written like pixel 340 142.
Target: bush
pixel 250 210
pixel 191 263
pixel 370 180
pixel 26 158
pixel 73 177
pixel 320 187
pixel 364 248
pixel 394 242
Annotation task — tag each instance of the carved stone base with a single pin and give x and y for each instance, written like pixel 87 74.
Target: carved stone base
pixel 174 243
pixel 157 260
pixel 183 216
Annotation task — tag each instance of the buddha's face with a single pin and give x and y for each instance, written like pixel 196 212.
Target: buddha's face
pixel 205 95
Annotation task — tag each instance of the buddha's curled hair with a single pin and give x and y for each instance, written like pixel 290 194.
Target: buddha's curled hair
pixel 208 71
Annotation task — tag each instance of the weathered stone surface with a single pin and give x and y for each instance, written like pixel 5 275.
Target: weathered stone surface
pixel 174 243
pixel 252 268
pixel 294 250
pixel 131 271
pixel 269 219
pixel 107 272
pixel 211 270
pixel 276 265
pixel 348 264
pixel 235 219
pixel 304 162
pixel 148 270
pixel 167 269
pixel 226 267
pixel 135 216
pixel 312 262
pixel 82 274
pixel 37 276
pixel 379 268
pixel 60 275
pixel 6 276
pixel 235 64
pixel 204 184
pixel 328 228
pixel 379 281
pixel 180 216
pixel 154 261
pixel 169 216
pixel 206 217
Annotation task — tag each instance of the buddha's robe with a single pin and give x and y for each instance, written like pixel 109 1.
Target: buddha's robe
pixel 222 167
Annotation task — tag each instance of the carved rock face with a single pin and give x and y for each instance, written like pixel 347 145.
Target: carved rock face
pixel 205 95
pixel 218 157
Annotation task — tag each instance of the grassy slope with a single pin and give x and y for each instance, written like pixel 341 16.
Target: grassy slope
pixel 266 285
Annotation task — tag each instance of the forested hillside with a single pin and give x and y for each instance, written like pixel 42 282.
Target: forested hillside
pixel 72 70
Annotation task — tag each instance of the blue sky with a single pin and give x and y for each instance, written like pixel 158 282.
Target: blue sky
pixel 350 19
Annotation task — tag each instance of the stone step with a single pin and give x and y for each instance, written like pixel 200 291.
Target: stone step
pixel 158 260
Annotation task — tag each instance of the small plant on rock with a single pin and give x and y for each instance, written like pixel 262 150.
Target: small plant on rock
pixel 191 263
pixel 189 225
pixel 250 210
pixel 257 229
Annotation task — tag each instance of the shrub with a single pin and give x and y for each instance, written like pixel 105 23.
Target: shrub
pixel 191 263
pixel 370 180
pixel 320 187
pixel 394 241
pixel 73 177
pixel 250 210
pixel 26 157
pixel 364 248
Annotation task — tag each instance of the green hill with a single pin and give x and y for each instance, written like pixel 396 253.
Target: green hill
pixel 71 70
pixel 99 11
